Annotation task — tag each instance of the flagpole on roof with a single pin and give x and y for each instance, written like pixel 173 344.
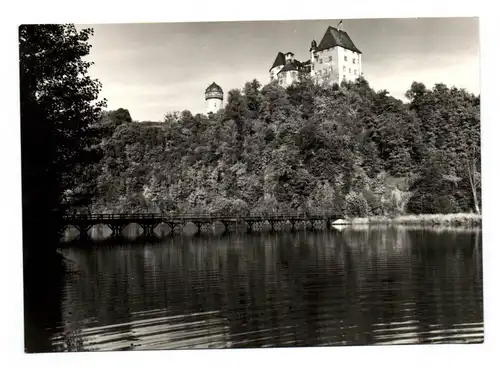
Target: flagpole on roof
pixel 339 25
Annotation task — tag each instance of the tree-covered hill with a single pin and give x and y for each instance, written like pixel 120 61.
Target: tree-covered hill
pixel 309 147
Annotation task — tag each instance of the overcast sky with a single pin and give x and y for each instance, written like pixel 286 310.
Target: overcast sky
pixel 152 69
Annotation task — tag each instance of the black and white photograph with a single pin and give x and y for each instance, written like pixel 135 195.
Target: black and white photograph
pixel 251 184
pixel 234 185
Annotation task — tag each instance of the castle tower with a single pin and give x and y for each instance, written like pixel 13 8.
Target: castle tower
pixel 312 52
pixel 213 98
pixel 313 48
pixel 336 58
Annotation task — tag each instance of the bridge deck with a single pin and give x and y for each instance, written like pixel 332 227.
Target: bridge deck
pixel 111 218
pixel 117 222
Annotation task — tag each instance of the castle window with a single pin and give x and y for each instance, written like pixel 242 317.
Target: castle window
pixel 343 68
pixel 355 71
pixel 343 77
pixel 320 60
pixel 349 70
pixel 353 60
pixel 345 58
pixel 330 58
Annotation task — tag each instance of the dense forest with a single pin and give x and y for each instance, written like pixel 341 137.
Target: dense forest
pixel 306 148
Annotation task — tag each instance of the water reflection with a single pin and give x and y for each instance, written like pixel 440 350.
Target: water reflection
pixel 354 287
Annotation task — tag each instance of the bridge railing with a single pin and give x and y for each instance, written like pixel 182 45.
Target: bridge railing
pixel 193 216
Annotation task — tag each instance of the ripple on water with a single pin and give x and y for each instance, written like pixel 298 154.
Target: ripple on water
pixel 290 289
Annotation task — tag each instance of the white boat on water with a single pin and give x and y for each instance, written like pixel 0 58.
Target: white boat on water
pixel 340 224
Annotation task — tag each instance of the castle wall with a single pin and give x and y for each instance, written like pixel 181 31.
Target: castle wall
pixel 274 72
pixel 288 78
pixel 213 105
pixel 326 65
pixel 349 64
pixel 336 64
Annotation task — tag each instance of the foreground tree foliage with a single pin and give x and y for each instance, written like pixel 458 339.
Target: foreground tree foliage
pixel 309 148
pixel 59 108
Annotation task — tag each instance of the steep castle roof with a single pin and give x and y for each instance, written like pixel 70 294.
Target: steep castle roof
pixel 289 66
pixel 334 37
pixel 214 88
pixel 295 65
pixel 280 60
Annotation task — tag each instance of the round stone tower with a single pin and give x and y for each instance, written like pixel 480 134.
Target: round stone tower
pixel 213 98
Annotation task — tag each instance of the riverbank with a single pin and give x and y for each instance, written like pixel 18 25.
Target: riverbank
pixel 457 220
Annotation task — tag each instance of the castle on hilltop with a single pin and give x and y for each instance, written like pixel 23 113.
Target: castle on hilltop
pixel 334 60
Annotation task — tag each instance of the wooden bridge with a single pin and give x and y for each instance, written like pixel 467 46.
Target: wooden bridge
pixel 148 222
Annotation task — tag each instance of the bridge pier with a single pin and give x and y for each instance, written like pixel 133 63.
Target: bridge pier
pixel 313 224
pixel 249 225
pixel 328 223
pixel 172 226
pixel 198 227
pixel 83 230
pixel 226 225
pixel 271 223
pixel 304 225
pixel 116 229
pixel 148 229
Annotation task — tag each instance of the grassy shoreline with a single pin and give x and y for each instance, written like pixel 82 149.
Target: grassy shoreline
pixel 459 219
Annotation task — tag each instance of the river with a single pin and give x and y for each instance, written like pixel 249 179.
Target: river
pixel 357 286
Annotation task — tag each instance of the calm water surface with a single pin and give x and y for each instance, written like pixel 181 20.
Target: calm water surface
pixel 350 287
